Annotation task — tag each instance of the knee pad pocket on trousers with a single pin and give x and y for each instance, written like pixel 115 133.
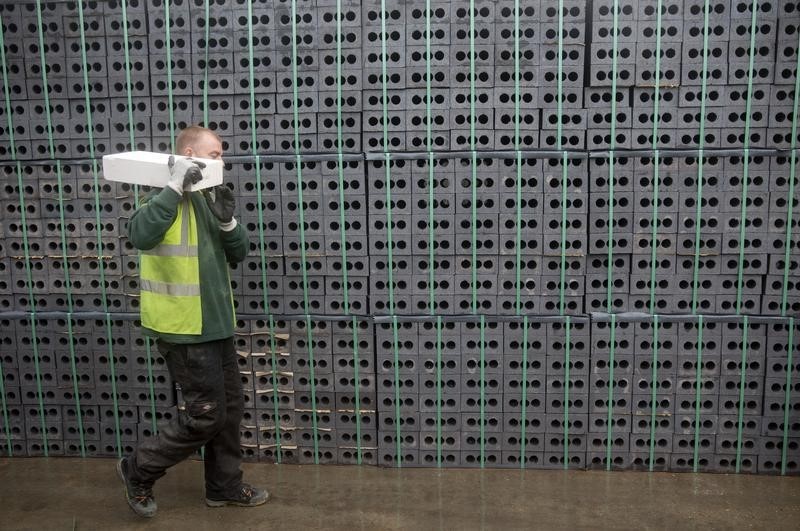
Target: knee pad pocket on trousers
pixel 204 417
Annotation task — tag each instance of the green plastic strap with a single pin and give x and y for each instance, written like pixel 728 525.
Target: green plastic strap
pixel 340 162
pixel 395 342
pixel 746 169
pixel 304 268
pixel 611 157
pixel 610 404
pixel 568 347
pixel 431 241
pixel 26 247
pixel 653 385
pixel 657 88
pixel 743 371
pixel 700 159
pixel 483 390
pixel 523 436
pixel 474 166
pixel 125 40
pixel 357 391
pixel 384 83
pixel 517 119
pixel 742 228
pixel 518 240
pixel 474 283
pixel 654 228
pixel 563 249
pixel 205 66
pixel 3 404
pixel 298 161
pixel 472 78
pixel 168 41
pixel 261 242
pixel 656 161
pixel 697 391
pixel 311 363
pixel 68 285
pixel 389 240
pixel 100 246
pixel 66 268
pixel 75 390
pixel 272 352
pixel 340 168
pixel 428 79
pixel 9 446
pixel 132 136
pixel 786 402
pixel 295 111
pixel 559 131
pixel 614 52
pixel 559 80
pixel 610 266
pixel 390 270
pixel 25 244
pixel 429 143
pixel 792 174
pixel 439 390
pixel 39 381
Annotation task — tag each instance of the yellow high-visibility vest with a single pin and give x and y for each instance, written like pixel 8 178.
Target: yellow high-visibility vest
pixel 170 278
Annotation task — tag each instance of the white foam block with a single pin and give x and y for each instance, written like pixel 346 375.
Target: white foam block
pixel 150 169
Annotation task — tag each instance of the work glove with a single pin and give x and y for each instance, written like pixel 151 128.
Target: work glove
pixel 221 202
pixel 183 172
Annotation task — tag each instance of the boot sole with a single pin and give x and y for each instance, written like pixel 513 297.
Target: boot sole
pixel 223 503
pixel 127 498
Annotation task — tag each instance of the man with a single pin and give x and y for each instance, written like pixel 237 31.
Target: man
pixel 187 240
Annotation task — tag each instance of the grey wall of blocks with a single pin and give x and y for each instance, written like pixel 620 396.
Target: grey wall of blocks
pixel 484 233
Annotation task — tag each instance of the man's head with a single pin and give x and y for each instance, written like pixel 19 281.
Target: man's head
pixel 199 142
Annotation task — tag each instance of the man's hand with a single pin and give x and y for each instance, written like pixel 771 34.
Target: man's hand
pixel 221 202
pixel 184 172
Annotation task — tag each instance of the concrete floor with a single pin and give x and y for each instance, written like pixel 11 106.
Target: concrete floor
pixel 80 494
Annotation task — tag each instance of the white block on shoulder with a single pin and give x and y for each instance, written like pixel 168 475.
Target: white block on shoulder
pixel 150 169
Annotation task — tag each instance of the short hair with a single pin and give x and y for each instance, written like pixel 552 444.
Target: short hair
pixel 190 135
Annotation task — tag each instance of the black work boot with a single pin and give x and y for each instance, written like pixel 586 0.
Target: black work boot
pixel 244 496
pixel 140 497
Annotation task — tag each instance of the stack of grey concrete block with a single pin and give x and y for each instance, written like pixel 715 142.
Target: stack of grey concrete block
pixel 418 234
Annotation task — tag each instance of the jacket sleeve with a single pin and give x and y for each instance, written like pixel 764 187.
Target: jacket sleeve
pixel 150 222
pixel 236 244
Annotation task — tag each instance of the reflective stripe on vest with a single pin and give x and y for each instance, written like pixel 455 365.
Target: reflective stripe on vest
pixel 170 278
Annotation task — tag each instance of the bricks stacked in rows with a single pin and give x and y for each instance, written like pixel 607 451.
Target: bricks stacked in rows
pixel 221 67
pixel 282 412
pixel 680 75
pixel 322 233
pixel 716 234
pixel 80 240
pixel 415 385
pixel 89 368
pixel 586 122
pixel 458 381
pixel 675 378
pixel 720 221
pixel 492 231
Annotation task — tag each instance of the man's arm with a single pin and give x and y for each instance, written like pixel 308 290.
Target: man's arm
pixel 150 222
pixel 236 243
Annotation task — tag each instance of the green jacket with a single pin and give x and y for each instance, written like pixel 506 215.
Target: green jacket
pixel 215 250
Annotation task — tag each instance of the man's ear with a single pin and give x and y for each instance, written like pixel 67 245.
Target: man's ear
pixel 188 152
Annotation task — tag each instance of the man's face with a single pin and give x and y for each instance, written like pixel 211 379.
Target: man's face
pixel 206 147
